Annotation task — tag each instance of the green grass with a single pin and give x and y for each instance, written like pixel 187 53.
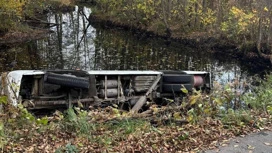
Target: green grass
pixel 260 99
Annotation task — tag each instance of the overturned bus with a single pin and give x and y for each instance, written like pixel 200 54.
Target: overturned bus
pixel 63 88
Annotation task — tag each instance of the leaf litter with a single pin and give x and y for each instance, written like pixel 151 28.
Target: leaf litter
pixel 113 130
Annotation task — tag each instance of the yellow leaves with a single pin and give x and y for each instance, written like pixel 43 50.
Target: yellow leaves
pixel 42 121
pixel 265 9
pixel 237 12
pixel 184 90
pixel 174 12
pixel 250 147
pixel 192 116
pixel 11 11
pixel 224 26
pixel 194 99
pixel 209 17
pixel 208 111
pixel 3 100
pixel 115 111
pixel 141 6
pixel 13 7
pixel 239 21
pixel 269 109
pixel 177 116
pixel 155 110
pixel 218 101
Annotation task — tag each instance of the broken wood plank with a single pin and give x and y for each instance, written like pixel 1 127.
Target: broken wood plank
pixel 139 104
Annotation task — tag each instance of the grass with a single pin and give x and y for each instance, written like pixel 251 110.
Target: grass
pixel 128 126
pixel 77 122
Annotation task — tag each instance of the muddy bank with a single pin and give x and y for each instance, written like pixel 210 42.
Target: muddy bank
pixel 22 37
pixel 206 42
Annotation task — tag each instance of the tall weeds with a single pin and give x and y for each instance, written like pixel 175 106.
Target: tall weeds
pixel 260 99
pixel 77 121
pixel 230 106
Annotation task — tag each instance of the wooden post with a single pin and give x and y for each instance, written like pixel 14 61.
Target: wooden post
pixel 118 87
pixel 139 104
pixel 36 87
pixel 106 86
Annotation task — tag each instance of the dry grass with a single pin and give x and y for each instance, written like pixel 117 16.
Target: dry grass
pixel 65 2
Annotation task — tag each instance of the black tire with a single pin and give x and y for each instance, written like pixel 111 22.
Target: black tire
pixel 68 81
pixel 180 79
pixel 176 88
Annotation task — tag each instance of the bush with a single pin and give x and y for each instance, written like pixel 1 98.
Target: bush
pixel 76 120
pixel 260 99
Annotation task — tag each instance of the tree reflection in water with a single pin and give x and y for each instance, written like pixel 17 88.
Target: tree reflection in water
pixel 75 44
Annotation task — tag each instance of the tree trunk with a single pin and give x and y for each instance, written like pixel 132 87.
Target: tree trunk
pixel 260 35
pixel 196 15
pixel 58 19
pixel 185 15
pixel 219 14
pixel 165 19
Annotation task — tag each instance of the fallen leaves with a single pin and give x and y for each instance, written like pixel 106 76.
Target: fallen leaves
pixel 250 147
pixel 112 130
pixel 268 144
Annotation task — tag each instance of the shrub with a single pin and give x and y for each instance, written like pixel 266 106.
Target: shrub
pixel 76 120
pixel 260 99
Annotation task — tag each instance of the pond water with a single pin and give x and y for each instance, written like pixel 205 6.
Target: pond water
pixel 75 44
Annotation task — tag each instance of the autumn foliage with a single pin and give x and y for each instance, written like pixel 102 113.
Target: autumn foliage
pixel 239 21
pixel 14 13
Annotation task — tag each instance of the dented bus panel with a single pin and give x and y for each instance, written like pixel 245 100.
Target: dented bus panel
pixel 64 88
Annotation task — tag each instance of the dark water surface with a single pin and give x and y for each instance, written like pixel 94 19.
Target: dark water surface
pixel 76 44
